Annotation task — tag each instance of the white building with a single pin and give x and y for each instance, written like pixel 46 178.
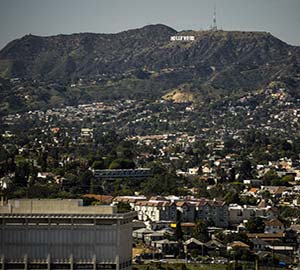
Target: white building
pixel 64 234
pixel 155 210
pixel 189 210
pixel 238 213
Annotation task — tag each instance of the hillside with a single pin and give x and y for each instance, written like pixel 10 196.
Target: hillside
pixel 79 54
pixel 145 63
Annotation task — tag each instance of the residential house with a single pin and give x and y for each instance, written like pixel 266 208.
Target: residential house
pixel 259 244
pixel 269 238
pixel 237 245
pixel 167 247
pixel 140 234
pixel 274 226
pixel 155 236
pixel 215 248
pixel 194 245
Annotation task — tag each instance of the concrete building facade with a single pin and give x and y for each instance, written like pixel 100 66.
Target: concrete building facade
pixel 212 210
pixel 63 234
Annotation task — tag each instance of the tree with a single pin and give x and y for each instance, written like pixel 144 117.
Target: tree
pixel 231 174
pixel 178 230
pixel 85 180
pixel 123 207
pixel 22 173
pixel 232 197
pixel 230 237
pixel 98 165
pixel 122 163
pixel 95 187
pixel 200 232
pixel 245 169
pixel 269 176
pixel 255 225
pixel 221 174
pixel 288 178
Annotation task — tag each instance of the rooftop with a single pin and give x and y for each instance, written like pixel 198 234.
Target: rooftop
pixel 54 206
pixel 273 222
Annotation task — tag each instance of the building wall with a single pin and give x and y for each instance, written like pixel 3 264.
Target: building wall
pixel 125 241
pixel 109 242
pixel 168 213
pixel 61 242
pixel 238 214
pixel 54 206
pixel 100 238
pixel 219 215
pixel 274 229
pixel 187 213
pixel 156 213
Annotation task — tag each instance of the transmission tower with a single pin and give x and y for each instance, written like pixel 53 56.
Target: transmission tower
pixel 214 26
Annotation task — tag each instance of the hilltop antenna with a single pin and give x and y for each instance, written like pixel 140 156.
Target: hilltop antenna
pixel 214 26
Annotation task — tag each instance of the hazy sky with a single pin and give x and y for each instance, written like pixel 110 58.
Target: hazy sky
pixel 51 17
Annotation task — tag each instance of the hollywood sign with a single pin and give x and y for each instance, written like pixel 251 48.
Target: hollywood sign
pixel 182 38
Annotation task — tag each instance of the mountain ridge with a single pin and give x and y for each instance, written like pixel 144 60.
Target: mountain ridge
pixel 34 56
pixel 144 62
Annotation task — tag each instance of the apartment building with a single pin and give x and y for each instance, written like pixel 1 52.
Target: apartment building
pixel 187 210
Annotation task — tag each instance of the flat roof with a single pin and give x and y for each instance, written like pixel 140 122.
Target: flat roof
pixel 128 215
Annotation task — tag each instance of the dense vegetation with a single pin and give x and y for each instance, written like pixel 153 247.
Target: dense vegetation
pixel 68 165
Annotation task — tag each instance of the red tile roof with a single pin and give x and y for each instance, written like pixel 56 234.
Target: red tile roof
pixel 154 203
pixel 238 244
pixel 266 236
pixel 101 198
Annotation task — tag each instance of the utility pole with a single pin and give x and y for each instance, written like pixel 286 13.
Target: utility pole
pixel 256 263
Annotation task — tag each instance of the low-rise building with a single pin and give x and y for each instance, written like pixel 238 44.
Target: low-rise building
pixel 194 245
pixel 274 226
